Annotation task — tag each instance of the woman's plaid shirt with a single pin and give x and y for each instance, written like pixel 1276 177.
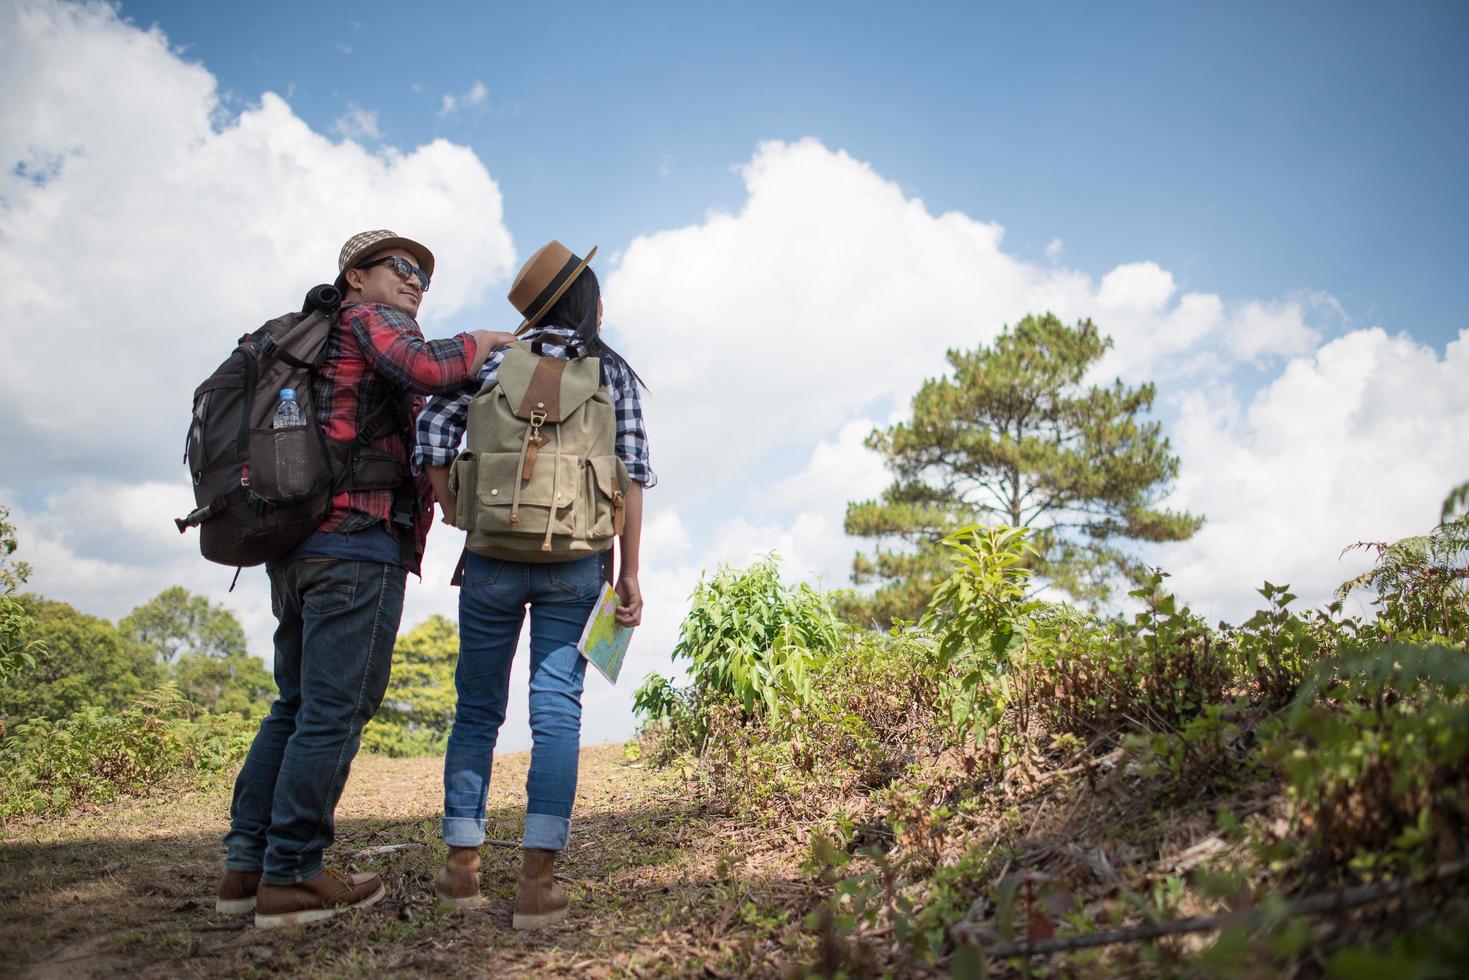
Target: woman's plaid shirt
pixel 441 423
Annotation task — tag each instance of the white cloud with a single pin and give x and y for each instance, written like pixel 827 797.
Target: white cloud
pixel 832 292
pixel 475 96
pixel 154 233
pixel 1055 249
pixel 1360 440
pixel 1271 328
pixel 358 124
pixel 842 467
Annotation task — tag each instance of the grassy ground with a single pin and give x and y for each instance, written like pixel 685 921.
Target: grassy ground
pixel 659 887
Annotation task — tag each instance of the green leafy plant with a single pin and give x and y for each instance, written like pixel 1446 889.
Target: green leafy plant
pixel 1277 648
pixel 751 637
pixel 1421 583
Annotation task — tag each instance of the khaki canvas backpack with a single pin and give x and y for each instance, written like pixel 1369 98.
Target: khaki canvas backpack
pixel 539 479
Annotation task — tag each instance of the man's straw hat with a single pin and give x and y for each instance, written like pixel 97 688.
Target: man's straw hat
pixel 360 246
pixel 541 281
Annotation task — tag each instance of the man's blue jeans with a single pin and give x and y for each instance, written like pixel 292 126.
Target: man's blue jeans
pixel 492 605
pixel 333 651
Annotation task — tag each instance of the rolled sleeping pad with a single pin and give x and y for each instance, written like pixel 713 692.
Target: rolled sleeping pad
pixel 325 298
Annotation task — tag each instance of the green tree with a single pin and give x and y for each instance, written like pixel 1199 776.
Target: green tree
pixel 18 645
pixel 418 709
pixel 83 661
pixel 174 623
pixel 201 646
pixel 1016 436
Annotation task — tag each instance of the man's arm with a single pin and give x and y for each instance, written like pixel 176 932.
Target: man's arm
pixel 398 351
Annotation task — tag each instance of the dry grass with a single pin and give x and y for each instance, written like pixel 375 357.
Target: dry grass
pixel 659 887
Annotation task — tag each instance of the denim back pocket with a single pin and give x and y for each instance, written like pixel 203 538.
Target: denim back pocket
pixel 480 571
pixel 328 585
pixel 581 578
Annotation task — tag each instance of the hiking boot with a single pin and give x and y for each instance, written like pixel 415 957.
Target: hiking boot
pixel 329 893
pixel 237 892
pixel 458 882
pixel 540 900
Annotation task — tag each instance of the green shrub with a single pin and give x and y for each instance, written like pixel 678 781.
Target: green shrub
pixel 93 756
pixel 1376 755
pixel 750 637
pixel 1421 584
pixel 1275 649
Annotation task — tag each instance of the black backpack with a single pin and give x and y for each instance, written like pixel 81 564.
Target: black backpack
pixel 259 490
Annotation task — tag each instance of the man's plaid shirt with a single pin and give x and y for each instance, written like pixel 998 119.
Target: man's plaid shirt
pixel 442 422
pixel 378 352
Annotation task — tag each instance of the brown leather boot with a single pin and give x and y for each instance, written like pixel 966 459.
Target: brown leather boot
pixel 540 900
pixel 329 893
pixel 458 881
pixel 237 892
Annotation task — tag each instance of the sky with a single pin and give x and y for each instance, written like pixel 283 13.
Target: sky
pixel 1262 204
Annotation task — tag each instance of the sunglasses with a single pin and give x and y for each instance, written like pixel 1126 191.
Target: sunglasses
pixel 402 268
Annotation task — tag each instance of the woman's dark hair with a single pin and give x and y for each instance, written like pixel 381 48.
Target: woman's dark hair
pixel 577 310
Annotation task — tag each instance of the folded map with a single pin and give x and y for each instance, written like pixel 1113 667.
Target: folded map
pixel 603 642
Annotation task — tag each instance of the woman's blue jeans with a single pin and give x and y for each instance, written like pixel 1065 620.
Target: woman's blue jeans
pixel 492 603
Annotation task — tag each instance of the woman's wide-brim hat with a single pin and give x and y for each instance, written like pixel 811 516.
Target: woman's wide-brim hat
pixel 541 281
pixel 369 243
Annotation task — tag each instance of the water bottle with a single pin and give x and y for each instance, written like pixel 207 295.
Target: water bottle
pixel 288 413
pixel 290 448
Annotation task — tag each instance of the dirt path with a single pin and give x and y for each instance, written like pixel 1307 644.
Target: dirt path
pixel 660 887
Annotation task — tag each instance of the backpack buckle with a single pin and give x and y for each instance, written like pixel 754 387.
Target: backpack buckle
pixel 537 417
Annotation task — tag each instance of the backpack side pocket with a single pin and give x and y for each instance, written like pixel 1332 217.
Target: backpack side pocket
pixel 287 465
pixel 462 481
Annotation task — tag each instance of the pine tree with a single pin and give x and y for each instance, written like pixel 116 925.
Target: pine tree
pixel 1016 436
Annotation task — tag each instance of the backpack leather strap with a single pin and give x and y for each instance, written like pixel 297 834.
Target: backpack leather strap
pixel 543 394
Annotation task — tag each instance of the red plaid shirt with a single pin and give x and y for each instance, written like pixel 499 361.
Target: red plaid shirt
pixel 377 352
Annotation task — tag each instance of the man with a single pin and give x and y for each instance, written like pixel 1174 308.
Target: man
pixel 338 596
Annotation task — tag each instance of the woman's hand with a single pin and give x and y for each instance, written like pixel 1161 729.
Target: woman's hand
pixel 438 478
pixel 629 601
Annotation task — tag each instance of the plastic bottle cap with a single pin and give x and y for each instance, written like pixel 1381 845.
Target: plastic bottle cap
pixel 288 393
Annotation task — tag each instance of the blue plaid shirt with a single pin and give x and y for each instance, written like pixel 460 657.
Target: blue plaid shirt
pixel 442 422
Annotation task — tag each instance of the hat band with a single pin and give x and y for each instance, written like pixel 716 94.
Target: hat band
pixel 544 297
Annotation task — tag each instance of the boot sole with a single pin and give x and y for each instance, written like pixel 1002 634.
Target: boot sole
pixel 307 916
pixel 234 906
pixel 527 920
pixel 461 902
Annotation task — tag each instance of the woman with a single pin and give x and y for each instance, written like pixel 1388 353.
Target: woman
pixel 560 299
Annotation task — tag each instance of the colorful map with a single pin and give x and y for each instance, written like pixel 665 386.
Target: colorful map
pixel 603 642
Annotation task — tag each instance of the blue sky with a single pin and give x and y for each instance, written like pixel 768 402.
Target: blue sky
pixel 1254 150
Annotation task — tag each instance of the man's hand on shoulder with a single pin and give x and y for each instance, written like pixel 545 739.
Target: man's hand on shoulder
pixel 486 341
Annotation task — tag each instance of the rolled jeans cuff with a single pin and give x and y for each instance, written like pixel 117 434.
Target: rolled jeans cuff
pixel 545 832
pixel 464 832
pixel 295 877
